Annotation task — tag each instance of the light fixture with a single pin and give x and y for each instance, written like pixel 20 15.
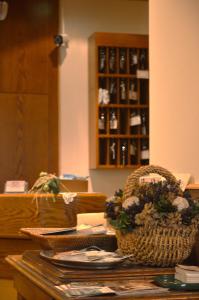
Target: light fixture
pixel 3 10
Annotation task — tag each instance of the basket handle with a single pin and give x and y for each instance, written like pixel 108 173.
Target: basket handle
pixel 133 179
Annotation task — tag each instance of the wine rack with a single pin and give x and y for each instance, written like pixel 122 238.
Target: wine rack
pixel 118 100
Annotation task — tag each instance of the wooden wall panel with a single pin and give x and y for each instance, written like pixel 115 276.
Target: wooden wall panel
pixel 25 127
pixel 24 60
pixel 28 90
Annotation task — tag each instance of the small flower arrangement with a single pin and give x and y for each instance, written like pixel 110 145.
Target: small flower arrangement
pixel 152 204
pixel 46 183
pixel 50 184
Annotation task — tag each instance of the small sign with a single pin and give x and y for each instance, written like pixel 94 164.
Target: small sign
pixel 135 120
pixel 133 95
pixel 183 178
pixel 151 178
pixel 143 74
pixel 16 186
pixel 145 154
pixel 113 124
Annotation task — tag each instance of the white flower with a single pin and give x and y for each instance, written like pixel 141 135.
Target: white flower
pixel 113 199
pixel 181 203
pixel 130 201
pixel 68 197
pixel 116 209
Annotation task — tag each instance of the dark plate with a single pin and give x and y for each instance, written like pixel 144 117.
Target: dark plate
pixel 169 281
pixel 48 254
pixel 61 231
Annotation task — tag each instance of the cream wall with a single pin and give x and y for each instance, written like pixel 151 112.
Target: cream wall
pixel 81 19
pixel 174 84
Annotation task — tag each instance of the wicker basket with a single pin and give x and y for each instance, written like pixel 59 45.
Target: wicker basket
pixel 155 246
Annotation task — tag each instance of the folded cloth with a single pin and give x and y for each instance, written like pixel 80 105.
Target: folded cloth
pixel 91 219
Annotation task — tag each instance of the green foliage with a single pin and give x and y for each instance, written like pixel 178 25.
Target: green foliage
pixel 53 186
pixel 164 205
pixel 122 222
pixel 119 193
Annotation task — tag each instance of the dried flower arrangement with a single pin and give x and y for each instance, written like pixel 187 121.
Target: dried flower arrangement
pixel 158 204
pixel 46 183
pixel 50 184
pixel 155 221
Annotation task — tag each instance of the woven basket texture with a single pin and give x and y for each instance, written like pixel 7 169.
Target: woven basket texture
pixel 155 246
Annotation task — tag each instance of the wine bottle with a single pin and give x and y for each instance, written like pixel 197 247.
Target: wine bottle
pixel 123 154
pixel 133 152
pixel 135 121
pixel 122 60
pixel 123 89
pixel 102 123
pixel 133 94
pixel 112 60
pixel 113 123
pixel 113 152
pixel 133 60
pixel 143 126
pixel 113 90
pixel 144 155
pixel 102 60
pixel 143 59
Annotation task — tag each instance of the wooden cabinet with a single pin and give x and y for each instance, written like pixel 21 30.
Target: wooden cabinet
pixel 118 100
pixel 29 91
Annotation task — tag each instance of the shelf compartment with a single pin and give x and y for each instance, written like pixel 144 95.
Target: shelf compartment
pixel 118 140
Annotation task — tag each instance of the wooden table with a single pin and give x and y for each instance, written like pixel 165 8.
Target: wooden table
pixel 23 210
pixel 34 279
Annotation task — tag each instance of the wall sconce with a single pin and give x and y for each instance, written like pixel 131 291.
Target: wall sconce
pixel 3 10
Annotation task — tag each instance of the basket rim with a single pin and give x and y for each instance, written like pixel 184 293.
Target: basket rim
pixel 133 179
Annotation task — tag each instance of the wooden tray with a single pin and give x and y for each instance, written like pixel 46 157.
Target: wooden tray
pixel 59 274
pixel 71 262
pixel 70 241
